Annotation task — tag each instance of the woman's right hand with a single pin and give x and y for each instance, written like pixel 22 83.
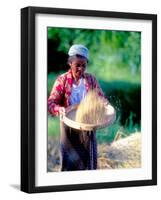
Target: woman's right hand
pixel 62 111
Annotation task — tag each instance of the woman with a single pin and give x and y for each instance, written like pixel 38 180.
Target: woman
pixel 69 89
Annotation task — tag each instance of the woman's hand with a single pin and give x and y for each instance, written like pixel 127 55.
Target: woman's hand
pixel 62 111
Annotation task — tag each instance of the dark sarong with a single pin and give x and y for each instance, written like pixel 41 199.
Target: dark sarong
pixel 75 154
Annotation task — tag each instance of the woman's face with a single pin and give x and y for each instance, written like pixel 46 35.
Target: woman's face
pixel 78 66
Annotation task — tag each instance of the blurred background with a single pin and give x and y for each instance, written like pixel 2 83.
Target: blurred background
pixel 115 60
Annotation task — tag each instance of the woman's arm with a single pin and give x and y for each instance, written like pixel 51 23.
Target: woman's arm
pixel 56 97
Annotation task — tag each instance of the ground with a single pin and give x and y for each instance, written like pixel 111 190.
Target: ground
pixel 121 153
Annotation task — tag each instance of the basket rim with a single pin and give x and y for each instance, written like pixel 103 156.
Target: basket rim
pixel 83 126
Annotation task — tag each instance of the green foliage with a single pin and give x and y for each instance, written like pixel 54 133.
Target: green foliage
pixel 106 47
pixel 114 73
pixel 53 126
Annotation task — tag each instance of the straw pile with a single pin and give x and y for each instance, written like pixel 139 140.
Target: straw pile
pixel 91 110
pixel 123 153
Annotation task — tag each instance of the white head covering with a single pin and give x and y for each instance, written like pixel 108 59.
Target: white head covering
pixel 78 49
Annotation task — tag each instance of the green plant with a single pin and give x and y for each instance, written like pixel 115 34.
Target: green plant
pixel 53 126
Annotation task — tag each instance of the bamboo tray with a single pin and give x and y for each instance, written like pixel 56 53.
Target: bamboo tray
pixel 69 119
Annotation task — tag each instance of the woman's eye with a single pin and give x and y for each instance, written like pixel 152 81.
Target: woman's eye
pixel 82 66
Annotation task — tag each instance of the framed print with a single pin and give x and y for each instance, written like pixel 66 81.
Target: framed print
pixel 88 99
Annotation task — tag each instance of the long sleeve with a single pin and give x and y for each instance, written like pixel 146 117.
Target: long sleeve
pixel 56 96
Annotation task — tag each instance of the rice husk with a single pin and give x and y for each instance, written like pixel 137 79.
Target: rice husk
pixel 91 109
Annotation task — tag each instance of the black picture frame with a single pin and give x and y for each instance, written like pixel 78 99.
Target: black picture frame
pixel 28 90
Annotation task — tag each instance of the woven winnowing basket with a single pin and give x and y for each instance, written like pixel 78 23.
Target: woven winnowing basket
pixel 69 119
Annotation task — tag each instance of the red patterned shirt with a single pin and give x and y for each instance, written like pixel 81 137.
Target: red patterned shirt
pixel 62 88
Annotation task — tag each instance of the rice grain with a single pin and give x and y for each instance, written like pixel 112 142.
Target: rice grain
pixel 91 110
